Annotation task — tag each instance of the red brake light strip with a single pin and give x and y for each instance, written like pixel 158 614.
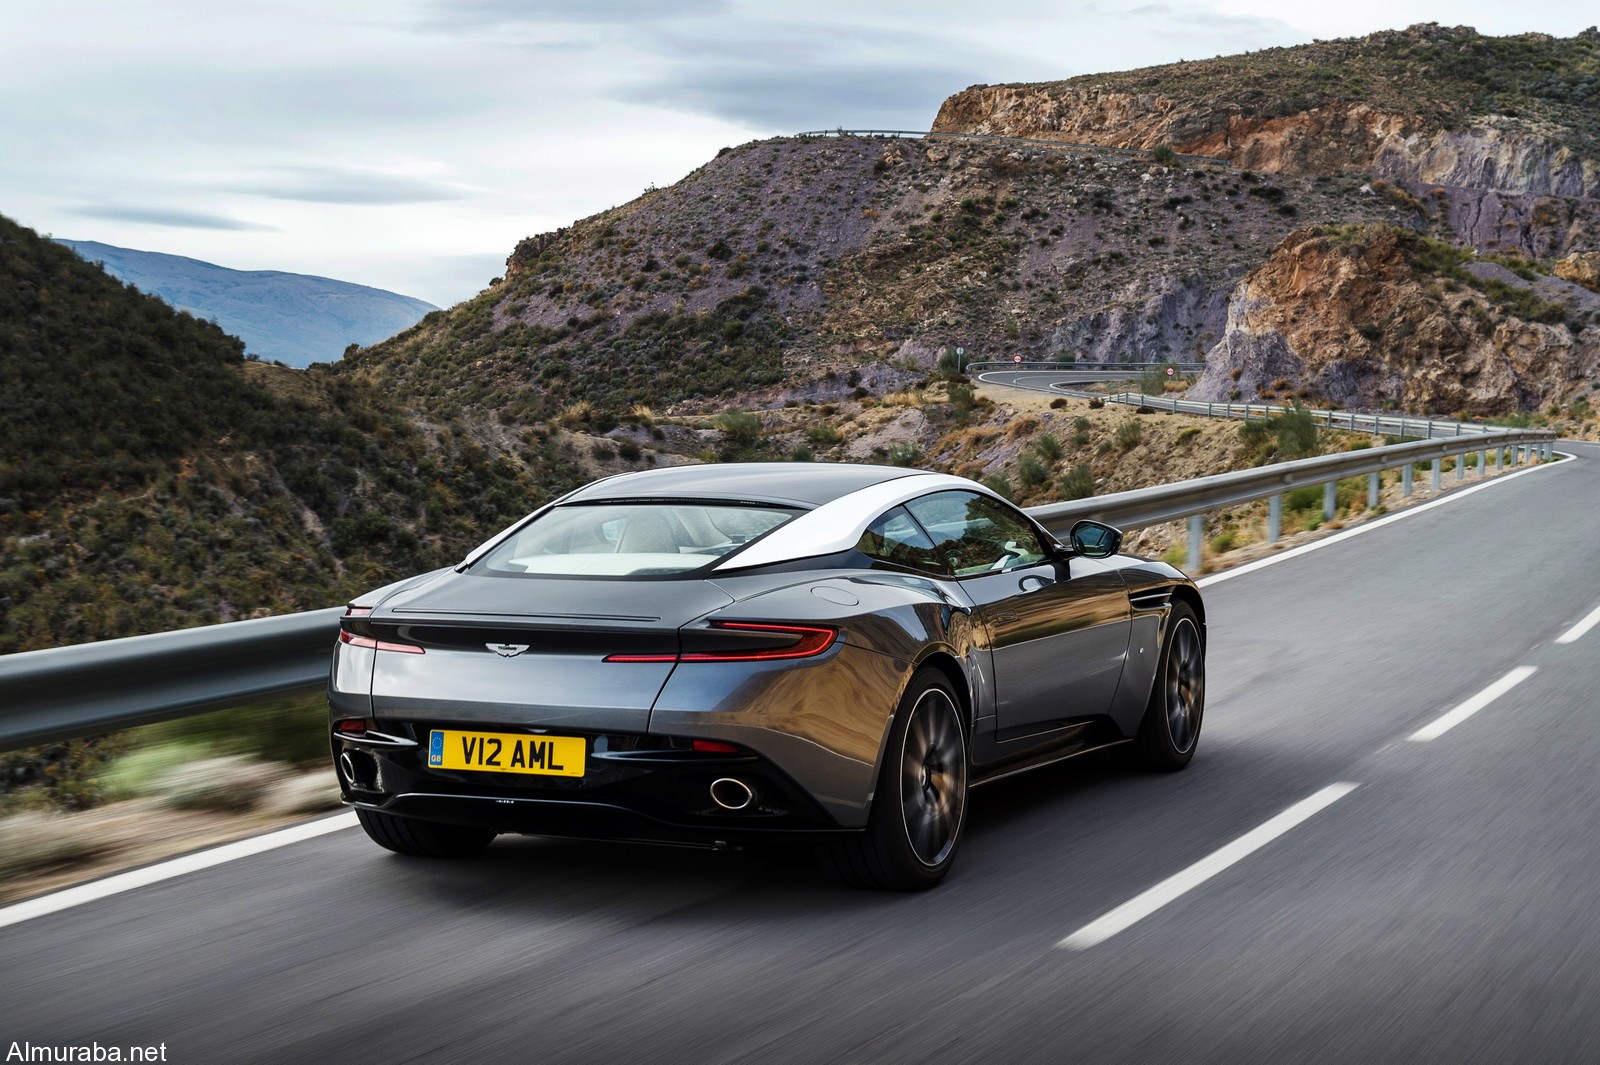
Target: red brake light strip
pixel 378 645
pixel 810 641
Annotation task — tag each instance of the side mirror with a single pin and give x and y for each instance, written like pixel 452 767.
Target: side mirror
pixel 1095 539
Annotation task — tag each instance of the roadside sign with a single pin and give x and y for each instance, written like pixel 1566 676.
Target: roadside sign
pixel 1172 371
pixel 1016 358
pixel 961 351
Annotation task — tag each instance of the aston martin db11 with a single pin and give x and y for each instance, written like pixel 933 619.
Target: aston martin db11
pixel 720 653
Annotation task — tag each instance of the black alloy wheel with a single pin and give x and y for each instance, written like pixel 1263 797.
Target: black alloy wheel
pixel 920 804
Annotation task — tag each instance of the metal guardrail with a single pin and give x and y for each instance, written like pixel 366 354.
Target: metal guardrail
pixel 1027 142
pixel 1194 498
pixel 93 688
pixel 90 688
pixel 1349 421
pixel 1082 367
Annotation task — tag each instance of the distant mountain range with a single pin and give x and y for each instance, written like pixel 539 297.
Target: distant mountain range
pixel 294 318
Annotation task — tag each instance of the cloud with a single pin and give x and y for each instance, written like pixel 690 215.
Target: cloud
pixel 160 216
pixel 794 100
pixel 774 75
pixel 350 185
pixel 471 13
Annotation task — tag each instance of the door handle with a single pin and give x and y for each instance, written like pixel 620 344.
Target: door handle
pixel 1005 615
pixel 1033 582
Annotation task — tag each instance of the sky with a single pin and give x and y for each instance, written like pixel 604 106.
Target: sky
pixel 409 144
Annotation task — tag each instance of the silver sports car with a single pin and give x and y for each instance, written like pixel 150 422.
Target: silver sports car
pixel 713 654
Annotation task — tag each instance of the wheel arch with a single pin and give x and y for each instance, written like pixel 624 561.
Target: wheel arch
pixel 1185 593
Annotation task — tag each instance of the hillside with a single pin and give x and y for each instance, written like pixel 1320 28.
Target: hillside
pixel 1429 104
pixel 151 478
pixel 296 319
pixel 784 266
pixel 805 269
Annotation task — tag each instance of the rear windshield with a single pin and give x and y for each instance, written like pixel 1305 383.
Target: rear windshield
pixel 630 539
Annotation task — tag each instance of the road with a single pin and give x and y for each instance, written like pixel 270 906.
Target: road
pixel 1441 910
pixel 1056 382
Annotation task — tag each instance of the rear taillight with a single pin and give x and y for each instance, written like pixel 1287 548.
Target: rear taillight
pixel 772 643
pixel 356 631
pixel 714 747
pixel 352 726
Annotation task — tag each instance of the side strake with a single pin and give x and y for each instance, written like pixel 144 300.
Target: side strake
pixel 532 651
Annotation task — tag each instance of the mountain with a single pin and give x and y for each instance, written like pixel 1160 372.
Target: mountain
pixel 297 319
pixel 798 270
pixel 1446 106
pixel 152 478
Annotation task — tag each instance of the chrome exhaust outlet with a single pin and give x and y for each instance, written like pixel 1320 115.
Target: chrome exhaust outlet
pixel 347 766
pixel 731 794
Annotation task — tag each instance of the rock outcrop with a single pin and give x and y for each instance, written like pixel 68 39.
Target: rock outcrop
pixel 1496 153
pixel 1367 318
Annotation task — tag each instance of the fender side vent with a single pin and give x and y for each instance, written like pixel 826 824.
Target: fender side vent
pixel 1156 600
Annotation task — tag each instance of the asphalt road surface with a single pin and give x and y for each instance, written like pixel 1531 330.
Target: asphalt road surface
pixel 1056 382
pixel 1439 905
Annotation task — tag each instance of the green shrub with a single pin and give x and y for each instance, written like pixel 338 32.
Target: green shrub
pixel 1078 483
pixel 1299 500
pixel 739 427
pixel 999 484
pixel 1224 541
pixel 1129 433
pixel 1048 447
pixel 905 454
pixel 1298 434
pixel 1031 472
pixel 823 435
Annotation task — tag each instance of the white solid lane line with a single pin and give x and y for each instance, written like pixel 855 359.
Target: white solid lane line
pixel 1141 906
pixel 154 874
pixel 1450 720
pixel 1574 634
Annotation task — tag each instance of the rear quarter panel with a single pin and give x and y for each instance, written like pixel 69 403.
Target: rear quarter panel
pixel 824 720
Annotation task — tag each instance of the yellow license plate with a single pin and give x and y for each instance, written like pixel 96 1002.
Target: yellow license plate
pixel 505 752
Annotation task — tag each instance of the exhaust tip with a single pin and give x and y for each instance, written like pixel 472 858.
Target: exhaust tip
pixel 347 766
pixel 731 794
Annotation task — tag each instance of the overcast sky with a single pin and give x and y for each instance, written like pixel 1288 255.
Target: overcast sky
pixel 409 144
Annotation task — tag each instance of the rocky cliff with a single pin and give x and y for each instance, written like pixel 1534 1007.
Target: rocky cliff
pixel 1442 106
pixel 1377 317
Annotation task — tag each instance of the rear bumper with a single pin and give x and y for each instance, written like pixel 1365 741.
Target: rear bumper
pixel 636 794
pixel 584 820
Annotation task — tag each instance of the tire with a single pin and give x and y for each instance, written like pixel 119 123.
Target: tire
pixel 424 839
pixel 1169 732
pixel 920 804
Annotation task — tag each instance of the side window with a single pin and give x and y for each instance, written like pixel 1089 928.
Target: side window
pixel 977 534
pixel 897 540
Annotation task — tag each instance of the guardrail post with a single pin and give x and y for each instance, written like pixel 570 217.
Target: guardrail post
pixel 1197 541
pixel 1274 518
pixel 1437 471
pixel 1461 466
pixel 1330 499
pixel 1482 459
pixel 1352 421
pixel 1374 486
pixel 1405 479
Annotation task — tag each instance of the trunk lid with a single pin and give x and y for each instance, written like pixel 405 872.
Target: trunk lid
pixel 531 650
